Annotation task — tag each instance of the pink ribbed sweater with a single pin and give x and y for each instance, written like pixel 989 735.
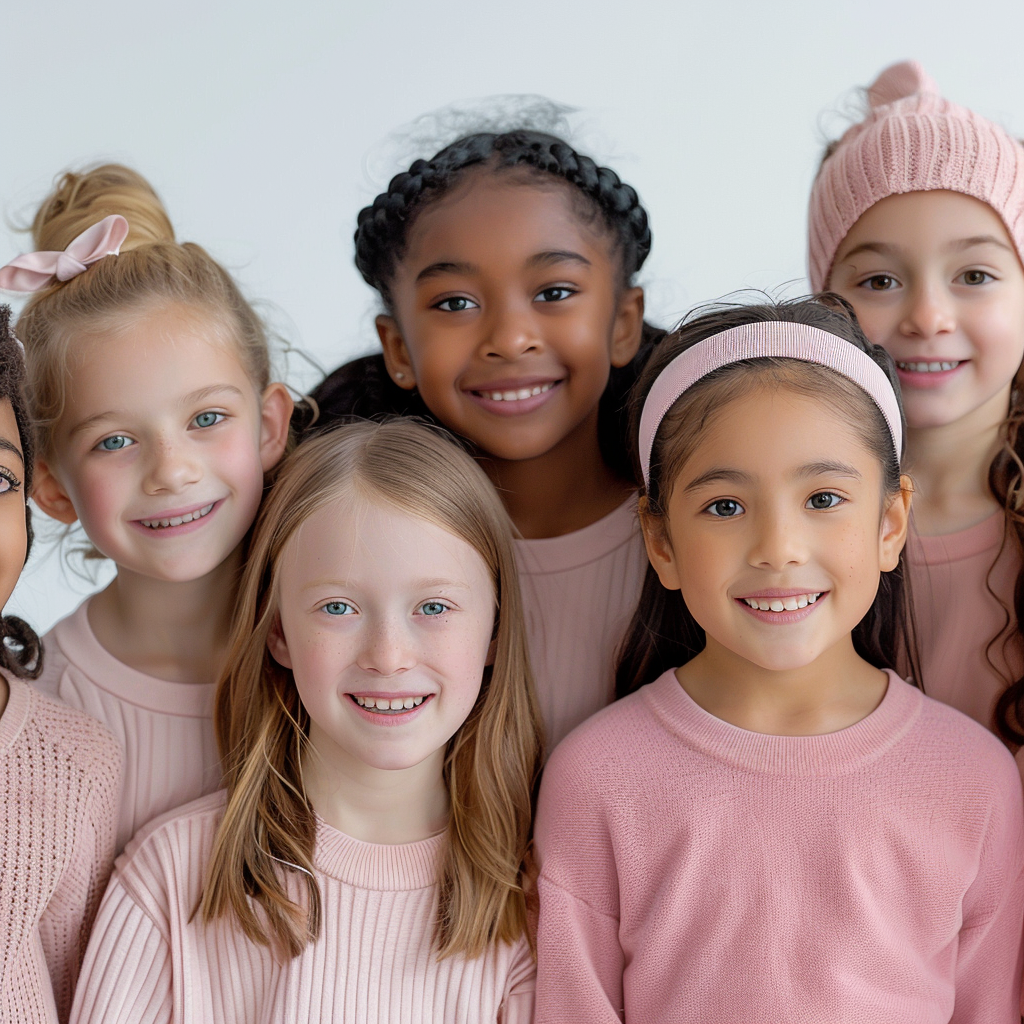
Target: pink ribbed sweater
pixel 579 593
pixel 372 964
pixel 957 616
pixel 61 774
pixel 695 871
pixel 164 728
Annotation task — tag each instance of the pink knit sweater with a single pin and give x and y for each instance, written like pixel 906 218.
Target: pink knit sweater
pixel 695 871
pixel 372 964
pixel 61 774
pixel 961 583
pixel 579 593
pixel 164 728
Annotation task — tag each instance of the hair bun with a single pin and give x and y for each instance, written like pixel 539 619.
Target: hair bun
pixel 898 81
pixel 80 200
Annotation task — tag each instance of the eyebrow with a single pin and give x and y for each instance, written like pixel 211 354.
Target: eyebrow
pixel 199 395
pixel 959 245
pixel 547 258
pixel 824 467
pixel 8 446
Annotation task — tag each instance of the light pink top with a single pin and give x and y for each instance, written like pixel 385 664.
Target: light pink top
pixel 580 591
pixel 61 773
pixel 372 964
pixel 164 728
pixel 957 615
pixel 695 871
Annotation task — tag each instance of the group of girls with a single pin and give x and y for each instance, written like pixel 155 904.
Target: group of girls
pixel 346 636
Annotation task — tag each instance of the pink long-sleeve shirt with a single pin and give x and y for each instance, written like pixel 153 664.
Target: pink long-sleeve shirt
pixel 165 729
pixel 373 963
pixel 695 871
pixel 60 772
pixel 579 594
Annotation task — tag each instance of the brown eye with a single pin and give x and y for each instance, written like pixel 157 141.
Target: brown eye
pixel 881 283
pixel 975 277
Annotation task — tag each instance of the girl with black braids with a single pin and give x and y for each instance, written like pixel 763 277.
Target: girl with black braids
pixel 60 770
pixel 506 267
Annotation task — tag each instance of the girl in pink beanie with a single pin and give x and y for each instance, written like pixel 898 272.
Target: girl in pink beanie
pixel 917 219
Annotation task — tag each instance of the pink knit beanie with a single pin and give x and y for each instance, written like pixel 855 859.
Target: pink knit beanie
pixel 912 140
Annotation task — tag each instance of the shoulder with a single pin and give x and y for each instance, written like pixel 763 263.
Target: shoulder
pixel 60 646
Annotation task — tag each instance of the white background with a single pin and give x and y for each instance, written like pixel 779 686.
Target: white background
pixel 266 127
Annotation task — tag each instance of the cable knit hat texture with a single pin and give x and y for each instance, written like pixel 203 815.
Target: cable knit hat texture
pixel 912 140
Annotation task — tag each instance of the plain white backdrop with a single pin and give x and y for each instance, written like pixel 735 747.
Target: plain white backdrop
pixel 265 129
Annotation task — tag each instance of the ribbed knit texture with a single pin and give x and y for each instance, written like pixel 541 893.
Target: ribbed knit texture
pixel 579 592
pixel 164 728
pixel 694 871
pixel 912 140
pixel 372 964
pixel 61 773
pixel 963 599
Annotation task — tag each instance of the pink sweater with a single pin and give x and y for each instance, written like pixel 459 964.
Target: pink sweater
pixel 372 964
pixel 957 616
pixel 58 806
pixel 579 592
pixel 164 728
pixel 695 871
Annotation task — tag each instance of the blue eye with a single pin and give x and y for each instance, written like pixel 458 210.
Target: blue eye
pixel 456 304
pixel 824 500
pixel 114 443
pixel 558 293
pixel 434 608
pixel 208 419
pixel 338 608
pixel 724 508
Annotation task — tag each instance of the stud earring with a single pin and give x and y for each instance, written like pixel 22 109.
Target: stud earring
pixel 399 376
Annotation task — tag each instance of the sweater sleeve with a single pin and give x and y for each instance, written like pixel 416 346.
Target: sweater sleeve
pixel 127 974
pixel 989 959
pixel 579 958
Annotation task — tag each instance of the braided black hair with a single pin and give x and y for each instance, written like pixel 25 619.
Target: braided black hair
pixel 21 653
pixel 363 387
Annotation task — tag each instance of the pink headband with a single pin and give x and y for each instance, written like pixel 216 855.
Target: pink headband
pixel 35 270
pixel 912 140
pixel 759 341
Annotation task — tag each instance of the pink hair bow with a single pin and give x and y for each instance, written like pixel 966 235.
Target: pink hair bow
pixel 35 270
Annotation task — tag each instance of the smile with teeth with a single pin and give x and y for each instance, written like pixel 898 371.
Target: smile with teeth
pixel 385 706
pixel 781 604
pixel 519 394
pixel 932 367
pixel 188 517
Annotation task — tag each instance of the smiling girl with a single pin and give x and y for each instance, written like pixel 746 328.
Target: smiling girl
pixel 506 266
pixel 917 219
pixel 775 826
pixel 149 375
pixel 381 745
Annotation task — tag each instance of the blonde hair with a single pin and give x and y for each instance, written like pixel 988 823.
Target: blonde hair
pixel 152 268
pixel 491 764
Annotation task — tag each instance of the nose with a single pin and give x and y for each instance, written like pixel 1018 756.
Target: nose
pixel 929 311
pixel 778 541
pixel 171 467
pixel 511 332
pixel 386 650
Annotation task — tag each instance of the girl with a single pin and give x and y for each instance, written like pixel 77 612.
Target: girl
pixel 381 746
pixel 60 770
pixel 917 219
pixel 149 374
pixel 505 265
pixel 816 838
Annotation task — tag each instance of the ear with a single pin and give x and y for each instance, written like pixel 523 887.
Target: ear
pixel 895 522
pixel 50 496
pixel 659 548
pixel 278 645
pixel 276 407
pixel 627 331
pixel 396 354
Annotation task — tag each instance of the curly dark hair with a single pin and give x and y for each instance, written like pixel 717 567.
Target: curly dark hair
pixel 363 387
pixel 21 653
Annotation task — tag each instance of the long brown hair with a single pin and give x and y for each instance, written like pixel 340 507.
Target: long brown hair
pixel 492 762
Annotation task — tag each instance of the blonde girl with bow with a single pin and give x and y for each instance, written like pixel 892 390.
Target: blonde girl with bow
pixel 149 375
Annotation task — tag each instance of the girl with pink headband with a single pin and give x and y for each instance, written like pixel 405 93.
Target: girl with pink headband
pixel 773 825
pixel 917 219
pixel 149 375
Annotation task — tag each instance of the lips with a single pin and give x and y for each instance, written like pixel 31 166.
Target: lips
pixel 929 366
pixel 177 519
